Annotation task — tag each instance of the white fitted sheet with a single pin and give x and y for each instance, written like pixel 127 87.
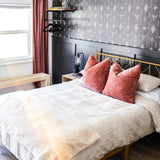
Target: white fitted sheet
pixel 154 94
pixel 71 90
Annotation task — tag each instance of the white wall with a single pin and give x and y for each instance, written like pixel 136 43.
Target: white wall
pixel 50 45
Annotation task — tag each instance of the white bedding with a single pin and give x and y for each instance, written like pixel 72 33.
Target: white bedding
pixel 118 123
pixel 45 130
pixel 154 94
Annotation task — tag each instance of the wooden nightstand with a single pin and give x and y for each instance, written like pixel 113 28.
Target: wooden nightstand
pixel 68 77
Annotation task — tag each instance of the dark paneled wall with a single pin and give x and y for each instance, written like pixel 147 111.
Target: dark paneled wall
pixel 63 54
pixel 134 23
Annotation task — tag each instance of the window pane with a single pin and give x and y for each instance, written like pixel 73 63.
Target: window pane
pixel 15 1
pixel 14 19
pixel 13 45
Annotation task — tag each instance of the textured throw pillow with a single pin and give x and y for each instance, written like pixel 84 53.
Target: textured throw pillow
pixel 122 84
pixel 148 83
pixel 92 61
pixel 95 77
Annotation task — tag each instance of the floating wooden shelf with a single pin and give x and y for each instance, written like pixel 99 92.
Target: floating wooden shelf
pixel 59 10
pixel 56 20
pixel 52 9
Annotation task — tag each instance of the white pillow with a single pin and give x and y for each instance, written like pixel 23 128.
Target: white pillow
pixel 154 94
pixel 82 72
pixel 147 83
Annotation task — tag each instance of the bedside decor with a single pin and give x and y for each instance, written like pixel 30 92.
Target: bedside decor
pixel 79 64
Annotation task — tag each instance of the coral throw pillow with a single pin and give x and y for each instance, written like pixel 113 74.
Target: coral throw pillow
pixel 95 77
pixel 92 61
pixel 122 84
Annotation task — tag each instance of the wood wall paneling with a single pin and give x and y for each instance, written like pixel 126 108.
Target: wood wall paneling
pixel 63 59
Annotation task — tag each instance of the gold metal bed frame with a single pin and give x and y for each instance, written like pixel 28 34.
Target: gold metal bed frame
pixel 126 62
pixel 120 59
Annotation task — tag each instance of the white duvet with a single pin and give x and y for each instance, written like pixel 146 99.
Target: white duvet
pixel 118 123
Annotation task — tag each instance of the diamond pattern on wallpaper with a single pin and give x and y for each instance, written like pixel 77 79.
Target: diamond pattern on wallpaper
pixel 136 28
pixel 153 29
pixel 133 23
pixel 129 8
pixel 146 7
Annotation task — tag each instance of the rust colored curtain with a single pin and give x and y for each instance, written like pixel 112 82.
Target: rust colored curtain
pixel 40 38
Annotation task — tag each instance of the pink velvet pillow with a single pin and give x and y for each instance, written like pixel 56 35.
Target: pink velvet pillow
pixel 95 77
pixel 92 61
pixel 122 84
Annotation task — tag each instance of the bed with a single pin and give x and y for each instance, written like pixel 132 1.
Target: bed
pixel 115 127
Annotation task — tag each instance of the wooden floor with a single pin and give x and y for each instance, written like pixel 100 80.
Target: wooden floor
pixel 146 149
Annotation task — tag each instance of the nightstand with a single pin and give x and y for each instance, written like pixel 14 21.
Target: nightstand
pixel 68 77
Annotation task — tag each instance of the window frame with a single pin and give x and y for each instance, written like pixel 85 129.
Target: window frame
pixel 19 59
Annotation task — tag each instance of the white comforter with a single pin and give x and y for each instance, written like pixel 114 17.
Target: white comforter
pixel 118 123
pixel 49 133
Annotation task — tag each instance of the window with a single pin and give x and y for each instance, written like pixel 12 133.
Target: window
pixel 15 31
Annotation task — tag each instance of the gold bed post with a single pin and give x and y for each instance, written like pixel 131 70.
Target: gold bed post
pixel 110 154
pixel 126 151
pixel 97 55
pixel 136 61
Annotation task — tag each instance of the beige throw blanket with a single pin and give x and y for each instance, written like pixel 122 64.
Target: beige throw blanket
pixel 44 130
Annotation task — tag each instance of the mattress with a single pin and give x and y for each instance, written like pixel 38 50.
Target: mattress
pixel 139 125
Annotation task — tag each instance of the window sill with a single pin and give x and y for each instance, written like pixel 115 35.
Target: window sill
pixel 14 61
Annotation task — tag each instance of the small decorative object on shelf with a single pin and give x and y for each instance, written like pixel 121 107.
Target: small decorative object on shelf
pixel 65 4
pixel 52 9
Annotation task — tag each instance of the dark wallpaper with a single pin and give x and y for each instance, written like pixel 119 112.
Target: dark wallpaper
pixel 134 23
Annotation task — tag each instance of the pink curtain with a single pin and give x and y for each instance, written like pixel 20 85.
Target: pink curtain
pixel 40 38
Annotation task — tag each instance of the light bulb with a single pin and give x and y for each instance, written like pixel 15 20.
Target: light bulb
pixel 78 60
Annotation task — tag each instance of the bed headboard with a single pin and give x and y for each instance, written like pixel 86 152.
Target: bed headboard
pixel 126 62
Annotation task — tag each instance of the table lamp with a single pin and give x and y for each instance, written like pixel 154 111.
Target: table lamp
pixel 79 64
